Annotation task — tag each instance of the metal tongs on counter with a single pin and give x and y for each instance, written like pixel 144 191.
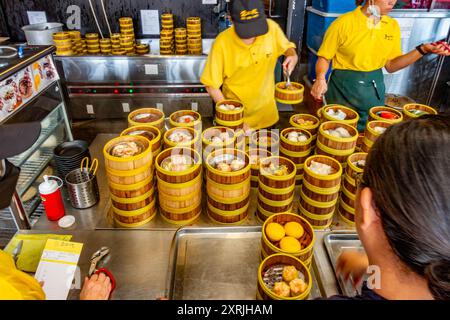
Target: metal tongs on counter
pixel 95 259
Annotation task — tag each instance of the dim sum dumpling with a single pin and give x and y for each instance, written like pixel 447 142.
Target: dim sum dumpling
pixel 281 289
pixel 298 286
pixel 290 273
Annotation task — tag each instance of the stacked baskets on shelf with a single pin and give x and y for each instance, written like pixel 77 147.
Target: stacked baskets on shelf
pixel 63 43
pixel 296 146
pixel 355 166
pixel 337 140
pixel 194 35
pixel 179 177
pixel 276 186
pixel 320 191
pixel 77 44
pixel 181 41
pixel 127 38
pixel 116 49
pixel 105 46
pixel 92 43
pixel 228 191
pixel 166 42
pixel 130 180
pixel 374 129
pixel 255 156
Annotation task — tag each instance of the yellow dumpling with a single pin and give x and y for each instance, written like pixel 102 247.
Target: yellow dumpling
pixel 281 289
pixel 290 245
pixel 298 286
pixel 275 232
pixel 290 273
pixel 294 229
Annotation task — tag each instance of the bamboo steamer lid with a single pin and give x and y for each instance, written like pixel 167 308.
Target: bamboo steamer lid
pixel 61 36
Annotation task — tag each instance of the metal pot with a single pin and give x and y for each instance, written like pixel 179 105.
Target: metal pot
pixel 41 33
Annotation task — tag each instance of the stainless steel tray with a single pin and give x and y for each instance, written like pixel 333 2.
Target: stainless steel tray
pixel 216 264
pixel 335 243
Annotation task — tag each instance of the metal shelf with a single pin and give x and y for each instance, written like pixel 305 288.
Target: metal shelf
pixel 20 159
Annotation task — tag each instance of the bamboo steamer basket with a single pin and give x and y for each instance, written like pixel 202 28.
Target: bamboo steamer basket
pixel 348 198
pixel 254 167
pixel 276 194
pixel 262 214
pixel 410 106
pixel 230 115
pixel 306 241
pixel 318 222
pixel 281 205
pixel 323 184
pixel 180 189
pixel 228 192
pixel 228 177
pixel 158 123
pixel 129 177
pixel 295 146
pixel 135 218
pixel 144 159
pixel 349 184
pixel 169 203
pixel 185 216
pixel 272 143
pixel 188 144
pixel 154 131
pixel 268 210
pixel 351 170
pixel 182 176
pixel 226 207
pixel 264 293
pixel 296 157
pixel 320 207
pixel 347 216
pixel 351 119
pixel 373 114
pixel 196 124
pixel 370 135
pixel 322 198
pixel 289 96
pixel 131 190
pixel 338 148
pixel 209 146
pixel 278 182
pixel 235 125
pixel 240 141
pixel 311 128
pixel 237 215
pixel 130 204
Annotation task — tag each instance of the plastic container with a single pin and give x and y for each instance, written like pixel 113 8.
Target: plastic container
pixel 318 23
pixel 312 60
pixel 50 191
pixel 334 6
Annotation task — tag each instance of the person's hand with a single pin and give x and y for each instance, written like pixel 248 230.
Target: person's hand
pixel 289 64
pixel 319 89
pixel 97 287
pixel 352 263
pixel 440 48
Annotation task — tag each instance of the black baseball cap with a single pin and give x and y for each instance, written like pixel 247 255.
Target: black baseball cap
pixel 249 18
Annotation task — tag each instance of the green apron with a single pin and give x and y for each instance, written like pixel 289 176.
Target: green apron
pixel 358 90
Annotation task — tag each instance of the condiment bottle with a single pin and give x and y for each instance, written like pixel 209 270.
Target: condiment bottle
pixel 51 197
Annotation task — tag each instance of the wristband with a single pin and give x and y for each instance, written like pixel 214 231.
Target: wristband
pixel 419 48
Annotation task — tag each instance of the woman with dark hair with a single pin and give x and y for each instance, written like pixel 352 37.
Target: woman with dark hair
pixel 361 43
pixel 403 213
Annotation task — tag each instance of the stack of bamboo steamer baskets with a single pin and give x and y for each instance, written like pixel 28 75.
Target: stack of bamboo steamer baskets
pixel 371 135
pixel 127 37
pixel 264 293
pixel 307 240
pixel 228 192
pixel 373 114
pixel 159 122
pixel 241 140
pixel 346 208
pixel 208 146
pixel 415 106
pixel 166 42
pixel 116 48
pixel 63 43
pixel 105 46
pixel 233 119
pixel 275 193
pixel 336 147
pixel 188 144
pixel 319 193
pixel 142 48
pixel 194 35
pixel 180 193
pixel 265 139
pixel 255 156
pixel 352 117
pixel 297 152
pixel 131 183
pixel 196 124
pixel 306 122
pixel 153 134
pixel 181 41
pixel 77 44
pixel 92 43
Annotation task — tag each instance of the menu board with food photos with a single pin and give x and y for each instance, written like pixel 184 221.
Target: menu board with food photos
pixel 24 85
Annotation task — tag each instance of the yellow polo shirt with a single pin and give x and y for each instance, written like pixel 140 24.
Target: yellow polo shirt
pixel 353 43
pixel 246 72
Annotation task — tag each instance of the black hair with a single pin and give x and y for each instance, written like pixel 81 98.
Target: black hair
pixel 408 171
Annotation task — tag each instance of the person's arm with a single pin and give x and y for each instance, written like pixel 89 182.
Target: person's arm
pixel 407 59
pixel 320 86
pixel 215 94
pixel 290 61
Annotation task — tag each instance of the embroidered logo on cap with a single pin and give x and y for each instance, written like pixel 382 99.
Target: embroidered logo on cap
pixel 249 15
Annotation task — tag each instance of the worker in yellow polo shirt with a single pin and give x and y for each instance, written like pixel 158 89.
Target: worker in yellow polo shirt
pixel 360 43
pixel 241 64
